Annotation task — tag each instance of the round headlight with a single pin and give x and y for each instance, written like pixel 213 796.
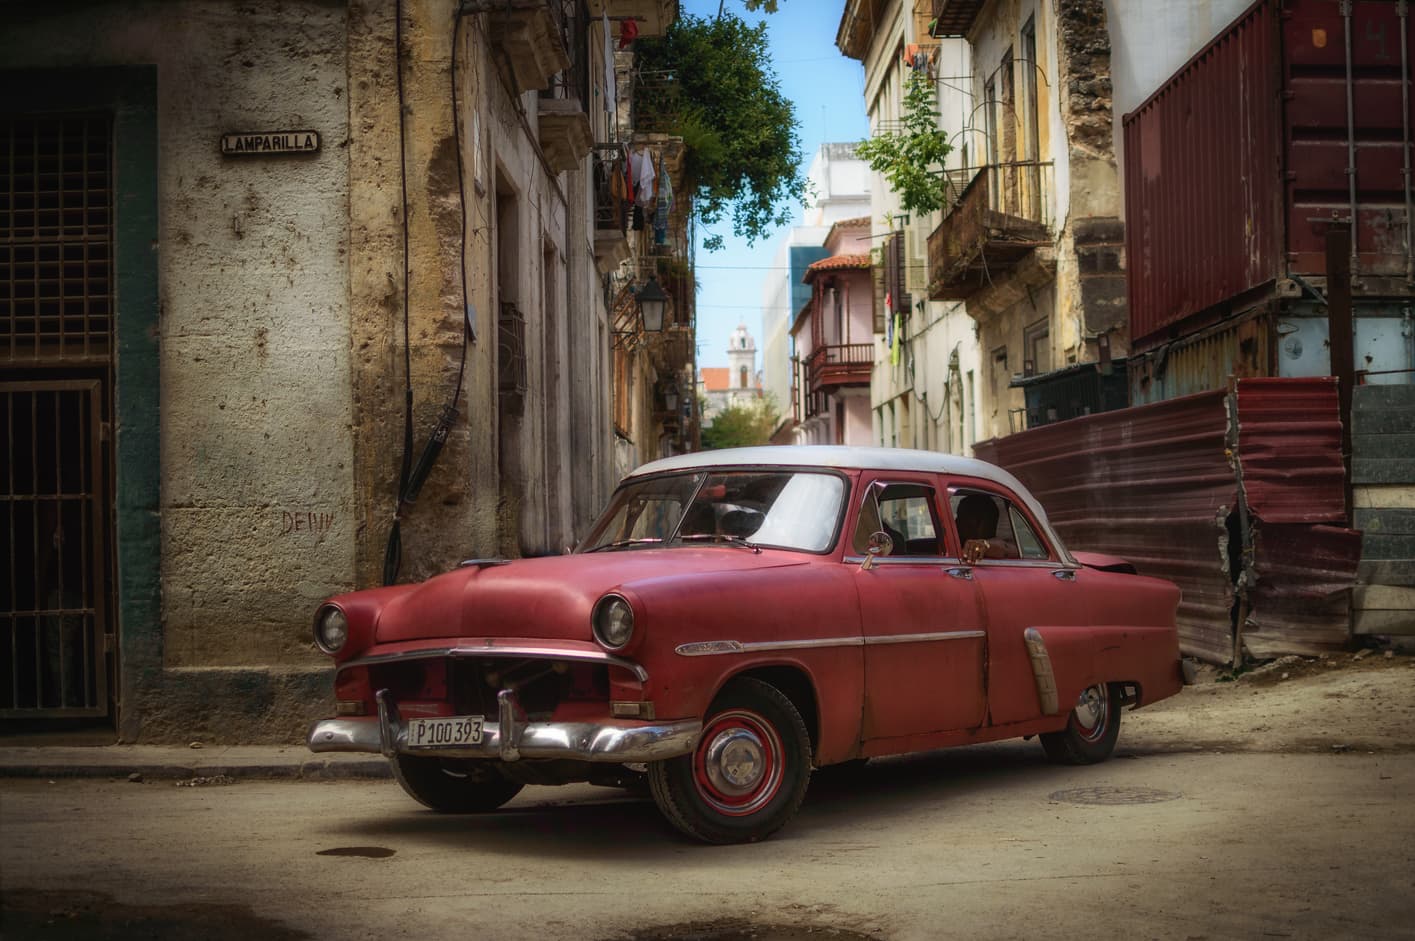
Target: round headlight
pixel 331 629
pixel 613 622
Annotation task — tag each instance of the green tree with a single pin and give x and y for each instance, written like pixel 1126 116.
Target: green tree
pixel 743 152
pixel 739 426
pixel 912 159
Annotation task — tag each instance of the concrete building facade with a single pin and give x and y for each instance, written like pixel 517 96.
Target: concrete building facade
pixel 925 389
pixel 273 253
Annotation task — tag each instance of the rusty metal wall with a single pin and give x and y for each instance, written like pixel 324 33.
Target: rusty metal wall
pixel 1236 165
pixel 1203 178
pixel 1316 155
pixel 1150 484
pixel 1203 361
pixel 1302 568
pixel 1289 438
pixel 1154 484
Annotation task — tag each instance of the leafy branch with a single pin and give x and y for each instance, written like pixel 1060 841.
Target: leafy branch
pixel 742 149
pixel 912 160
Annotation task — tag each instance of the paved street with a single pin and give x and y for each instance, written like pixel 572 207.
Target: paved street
pixel 987 842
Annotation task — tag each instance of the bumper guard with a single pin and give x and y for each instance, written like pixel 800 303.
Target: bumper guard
pixel 511 738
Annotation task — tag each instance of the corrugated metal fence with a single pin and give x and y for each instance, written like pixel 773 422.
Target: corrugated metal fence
pixel 1155 485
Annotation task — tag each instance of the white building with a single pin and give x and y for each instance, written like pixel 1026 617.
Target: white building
pixel 839 184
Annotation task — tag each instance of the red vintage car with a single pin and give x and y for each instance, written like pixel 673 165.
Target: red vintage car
pixel 737 618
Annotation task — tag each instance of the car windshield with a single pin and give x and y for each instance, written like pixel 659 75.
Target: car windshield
pixel 777 508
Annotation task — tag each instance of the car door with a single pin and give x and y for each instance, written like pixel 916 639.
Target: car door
pixel 1023 583
pixel 919 612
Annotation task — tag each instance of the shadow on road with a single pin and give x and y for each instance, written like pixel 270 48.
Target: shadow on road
pixel 605 825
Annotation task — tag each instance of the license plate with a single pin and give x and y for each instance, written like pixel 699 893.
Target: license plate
pixel 445 731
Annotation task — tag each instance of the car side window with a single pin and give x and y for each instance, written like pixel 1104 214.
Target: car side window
pixel 997 527
pixel 906 512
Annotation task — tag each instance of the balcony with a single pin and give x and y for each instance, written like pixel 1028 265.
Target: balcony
pixel 999 219
pixel 653 17
pixel 611 212
pixel 954 18
pixel 531 34
pixel 565 133
pixel 830 367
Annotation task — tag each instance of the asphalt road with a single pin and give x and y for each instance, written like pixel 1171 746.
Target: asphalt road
pixel 984 842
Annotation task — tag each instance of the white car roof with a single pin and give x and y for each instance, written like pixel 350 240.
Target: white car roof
pixel 839 456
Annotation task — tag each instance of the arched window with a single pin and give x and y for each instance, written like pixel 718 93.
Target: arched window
pixel 743 377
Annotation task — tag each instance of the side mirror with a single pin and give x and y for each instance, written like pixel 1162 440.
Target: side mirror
pixel 880 544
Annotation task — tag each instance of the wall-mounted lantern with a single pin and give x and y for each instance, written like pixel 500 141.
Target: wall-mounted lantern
pixel 670 397
pixel 652 301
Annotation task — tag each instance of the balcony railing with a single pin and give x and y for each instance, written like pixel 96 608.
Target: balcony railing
pixel 1000 217
pixel 611 211
pixel 845 365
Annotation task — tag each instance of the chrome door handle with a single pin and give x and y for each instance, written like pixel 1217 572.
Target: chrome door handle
pixel 1064 575
pixel 961 572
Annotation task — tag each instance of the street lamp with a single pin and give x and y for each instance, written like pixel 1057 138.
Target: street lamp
pixel 652 300
pixel 670 397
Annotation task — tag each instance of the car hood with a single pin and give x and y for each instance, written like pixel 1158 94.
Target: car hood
pixel 551 597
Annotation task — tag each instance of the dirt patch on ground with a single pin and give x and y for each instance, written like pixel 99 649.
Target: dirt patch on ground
pixel 93 916
pixel 1342 702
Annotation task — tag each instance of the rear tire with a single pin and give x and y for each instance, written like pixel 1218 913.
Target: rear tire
pixel 1091 729
pixel 748 773
pixel 453 785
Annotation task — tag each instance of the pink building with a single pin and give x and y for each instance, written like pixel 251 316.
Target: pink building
pixel 834 340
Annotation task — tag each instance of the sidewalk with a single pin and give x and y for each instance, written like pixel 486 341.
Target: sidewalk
pixel 158 761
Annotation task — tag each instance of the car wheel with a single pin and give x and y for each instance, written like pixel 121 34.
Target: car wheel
pixel 748 773
pixel 454 786
pixel 1091 729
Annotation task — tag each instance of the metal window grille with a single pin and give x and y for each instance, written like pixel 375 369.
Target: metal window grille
pixel 52 620
pixel 56 215
pixel 511 352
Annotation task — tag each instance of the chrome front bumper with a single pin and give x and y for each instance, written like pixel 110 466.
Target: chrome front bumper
pixel 510 739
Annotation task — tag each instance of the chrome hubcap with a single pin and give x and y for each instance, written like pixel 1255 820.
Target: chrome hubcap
pixel 735 761
pixel 1091 709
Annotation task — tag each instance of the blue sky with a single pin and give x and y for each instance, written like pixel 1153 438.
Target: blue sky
pixel 828 92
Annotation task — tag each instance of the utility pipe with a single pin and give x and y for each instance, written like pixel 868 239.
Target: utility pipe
pixel 1350 137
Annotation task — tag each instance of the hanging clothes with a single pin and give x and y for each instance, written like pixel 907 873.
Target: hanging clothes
pixel 611 87
pixel 644 177
pixel 628 32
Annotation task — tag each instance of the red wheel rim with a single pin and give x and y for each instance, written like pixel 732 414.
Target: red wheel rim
pixel 737 766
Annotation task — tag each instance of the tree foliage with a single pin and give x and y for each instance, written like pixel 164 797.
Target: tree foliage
pixel 743 152
pixel 741 425
pixel 912 159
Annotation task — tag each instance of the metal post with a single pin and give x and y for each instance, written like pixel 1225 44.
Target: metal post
pixel 1339 329
pixel 1350 137
pixel 1402 10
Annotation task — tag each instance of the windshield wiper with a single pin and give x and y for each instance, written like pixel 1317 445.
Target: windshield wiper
pixel 740 541
pixel 621 543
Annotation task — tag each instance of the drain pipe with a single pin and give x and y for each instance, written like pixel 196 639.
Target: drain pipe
pixel 1402 10
pixel 1351 137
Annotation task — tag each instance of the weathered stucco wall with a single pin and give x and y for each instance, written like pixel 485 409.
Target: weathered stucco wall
pixel 256 460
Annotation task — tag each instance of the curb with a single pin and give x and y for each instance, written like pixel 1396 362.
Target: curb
pixel 101 766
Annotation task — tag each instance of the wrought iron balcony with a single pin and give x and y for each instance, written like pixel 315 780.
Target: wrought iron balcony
pixel 830 367
pixel 999 218
pixel 611 211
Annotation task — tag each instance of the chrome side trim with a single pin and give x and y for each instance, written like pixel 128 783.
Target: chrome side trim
pixel 491 647
pixel 923 638
pixel 711 648
pixel 610 741
pixel 1041 670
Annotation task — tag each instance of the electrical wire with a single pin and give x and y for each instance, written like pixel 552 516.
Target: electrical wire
pixel 413 476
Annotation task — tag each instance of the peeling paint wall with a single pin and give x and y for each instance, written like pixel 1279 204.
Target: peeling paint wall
pixel 281 329
pixel 256 462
